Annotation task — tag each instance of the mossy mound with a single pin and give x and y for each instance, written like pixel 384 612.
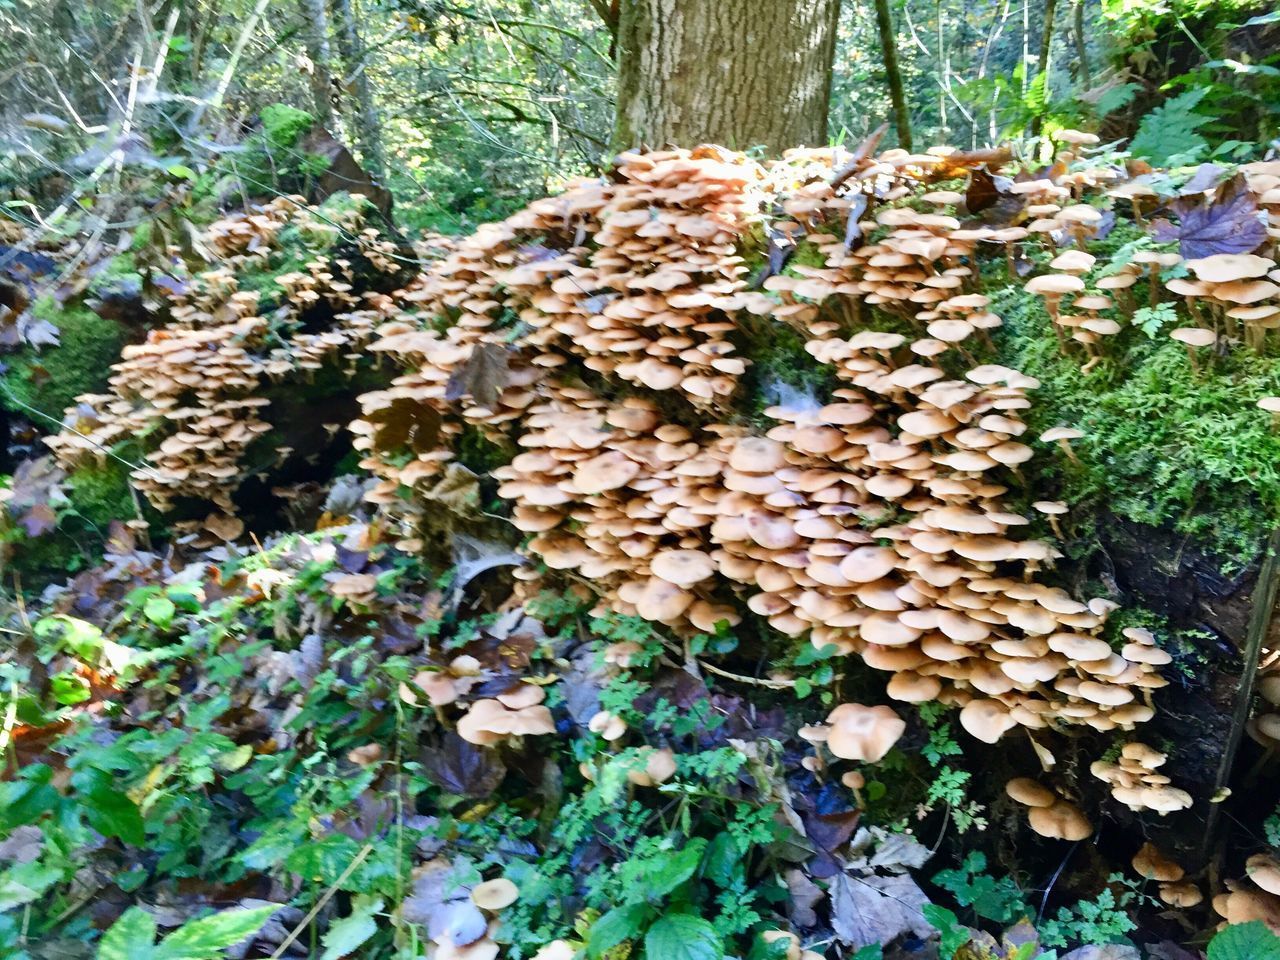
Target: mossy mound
pixel 42 384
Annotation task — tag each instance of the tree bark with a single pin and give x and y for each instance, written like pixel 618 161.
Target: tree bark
pixel 1082 49
pixel 1046 43
pixel 889 50
pixel 368 125
pixel 315 34
pixel 742 73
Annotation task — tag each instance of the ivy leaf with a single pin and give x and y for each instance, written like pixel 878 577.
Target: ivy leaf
pixel 1245 941
pixel 132 937
pixel 208 937
pixel 350 932
pixel 483 376
pixel 682 936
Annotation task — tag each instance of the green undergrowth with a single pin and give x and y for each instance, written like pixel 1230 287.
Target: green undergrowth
pixel 50 379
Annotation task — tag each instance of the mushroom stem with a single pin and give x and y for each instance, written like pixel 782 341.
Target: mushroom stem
pixel 1153 287
pixel 1228 321
pixel 1051 304
pixel 1191 355
pixel 1071 454
pixel 1137 211
pixel 1053 525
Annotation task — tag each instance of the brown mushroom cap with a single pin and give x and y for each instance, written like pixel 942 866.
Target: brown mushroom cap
pixel 1062 821
pixel 1181 894
pixel 1264 870
pixel 988 720
pixel 1194 336
pixel 1226 267
pixel 683 568
pixel 1029 793
pixel 1150 863
pixel 496 894
pixel 863 733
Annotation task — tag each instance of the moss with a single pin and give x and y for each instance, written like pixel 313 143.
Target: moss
pixel 284 125
pixel 51 379
pixel 478 453
pixel 100 494
pixel 1161 446
pixel 121 271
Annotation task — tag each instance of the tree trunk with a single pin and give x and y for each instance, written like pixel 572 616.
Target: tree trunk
pixel 367 126
pixel 742 73
pixel 889 50
pixel 315 34
pixel 1046 43
pixel 1082 49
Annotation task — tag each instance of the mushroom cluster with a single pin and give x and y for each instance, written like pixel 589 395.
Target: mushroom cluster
pixel 1135 783
pixel 598 333
pixel 1256 897
pixel 1174 890
pixel 1047 813
pixel 194 387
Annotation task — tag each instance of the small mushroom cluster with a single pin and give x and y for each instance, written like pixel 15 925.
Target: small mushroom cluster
pixel 193 388
pixel 1047 813
pixel 1150 864
pixel 1255 897
pixel 1135 783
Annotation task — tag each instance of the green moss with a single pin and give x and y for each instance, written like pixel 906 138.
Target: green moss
pixel 51 379
pixel 1162 446
pixel 478 453
pixel 100 494
pixel 284 125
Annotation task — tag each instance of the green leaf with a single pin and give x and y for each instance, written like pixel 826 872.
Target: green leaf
pixel 113 814
pixel 682 936
pixel 130 938
pixel 76 636
pixel 1116 97
pixel 1235 66
pixel 160 610
pixel 206 938
pixel 182 171
pixel 954 934
pixel 69 688
pixel 26 882
pixel 722 860
pixel 1245 941
pixel 1171 129
pixel 872 951
pixel 348 933
pixel 674 870
pixel 619 924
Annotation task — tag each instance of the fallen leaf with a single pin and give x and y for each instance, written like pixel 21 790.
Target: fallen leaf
pixel 483 376
pixel 1228 225
pixel 460 768
pixel 804 895
pixel 875 909
pixel 1108 951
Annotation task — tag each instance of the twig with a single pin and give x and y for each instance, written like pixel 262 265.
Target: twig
pixel 1262 610
pixel 324 899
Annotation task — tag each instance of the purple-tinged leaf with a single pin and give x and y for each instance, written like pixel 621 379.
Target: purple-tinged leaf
pixel 1231 225
pixel 1206 178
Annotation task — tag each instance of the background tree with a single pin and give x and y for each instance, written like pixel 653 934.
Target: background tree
pixel 754 72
